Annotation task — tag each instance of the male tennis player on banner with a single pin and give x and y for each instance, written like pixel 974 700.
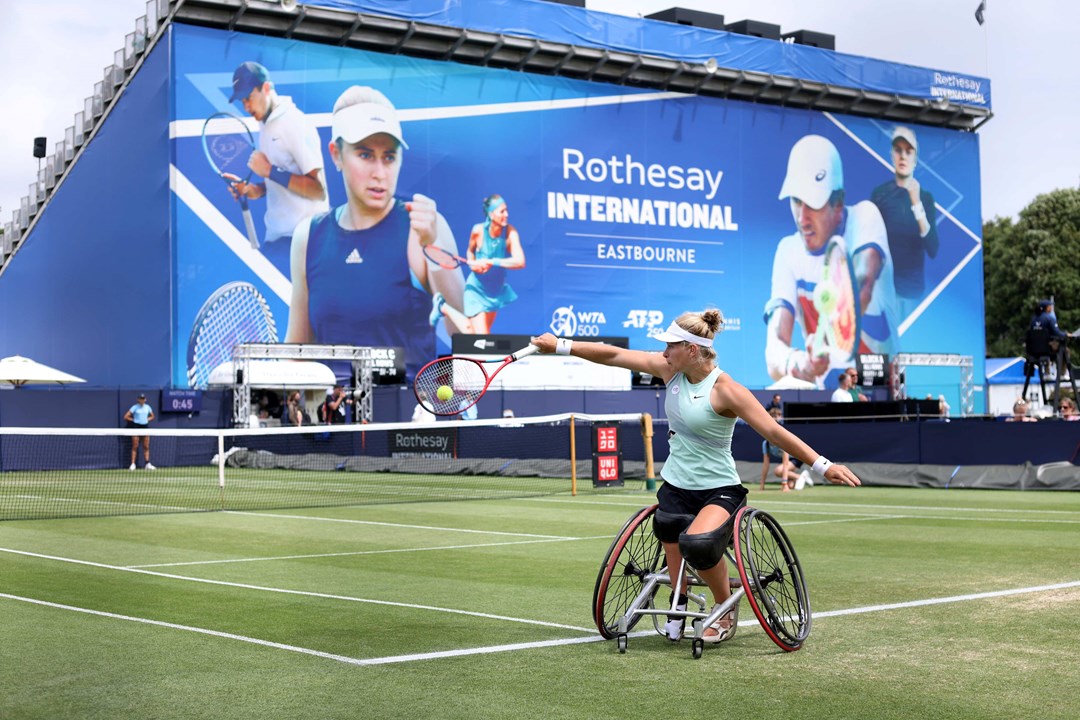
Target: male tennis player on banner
pixel 856 311
pixel 288 163
pixel 702 404
pixel 359 275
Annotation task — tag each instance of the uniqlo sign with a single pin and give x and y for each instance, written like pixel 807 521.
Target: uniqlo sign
pixel 607 455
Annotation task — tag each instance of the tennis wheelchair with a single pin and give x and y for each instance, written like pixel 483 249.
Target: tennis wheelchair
pixel 770 577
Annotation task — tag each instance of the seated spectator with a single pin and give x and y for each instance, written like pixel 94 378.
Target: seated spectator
pixel 856 396
pixel 775 403
pixel 843 392
pixel 1020 413
pixel 1067 407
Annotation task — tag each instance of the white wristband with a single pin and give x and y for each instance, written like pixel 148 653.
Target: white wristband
pixel 919 211
pixel 562 346
pixel 820 466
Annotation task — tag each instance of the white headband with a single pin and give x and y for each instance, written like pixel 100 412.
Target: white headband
pixel 675 333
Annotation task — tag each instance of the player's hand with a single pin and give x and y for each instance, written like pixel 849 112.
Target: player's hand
pixel 815 363
pixel 842 475
pixel 480 266
pixel 423 219
pixel 238 187
pixel 545 342
pixel 913 188
pixel 259 164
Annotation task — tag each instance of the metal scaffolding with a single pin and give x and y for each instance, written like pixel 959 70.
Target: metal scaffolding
pixel 902 361
pixel 362 359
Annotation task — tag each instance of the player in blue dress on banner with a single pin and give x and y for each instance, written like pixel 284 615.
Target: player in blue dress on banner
pixel 494 248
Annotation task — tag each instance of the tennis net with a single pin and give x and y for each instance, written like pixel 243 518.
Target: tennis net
pixel 57 473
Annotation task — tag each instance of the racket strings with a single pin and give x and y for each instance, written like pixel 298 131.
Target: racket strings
pixel 237 317
pixel 441 257
pixel 465 378
pixel 228 152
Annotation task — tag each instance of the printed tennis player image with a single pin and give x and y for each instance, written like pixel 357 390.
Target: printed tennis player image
pixel 359 275
pixel 859 288
pixel 288 163
pixel 494 248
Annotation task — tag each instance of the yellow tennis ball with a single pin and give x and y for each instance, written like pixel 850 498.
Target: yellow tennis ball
pixel 444 393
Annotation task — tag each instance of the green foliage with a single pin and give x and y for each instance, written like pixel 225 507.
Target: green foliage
pixel 1032 259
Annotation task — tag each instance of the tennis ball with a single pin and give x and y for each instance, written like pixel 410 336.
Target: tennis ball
pixel 444 393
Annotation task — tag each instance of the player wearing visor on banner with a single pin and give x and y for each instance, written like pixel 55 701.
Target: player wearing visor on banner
pixel 494 248
pixel 359 273
pixel 289 161
pixel 702 404
pixel 814 186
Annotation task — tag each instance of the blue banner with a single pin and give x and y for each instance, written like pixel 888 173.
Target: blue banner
pixel 580 208
pixel 555 22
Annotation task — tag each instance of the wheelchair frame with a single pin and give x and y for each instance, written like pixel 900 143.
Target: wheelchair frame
pixel 770 578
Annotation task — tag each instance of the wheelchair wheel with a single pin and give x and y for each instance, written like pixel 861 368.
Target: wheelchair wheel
pixel 773 578
pixel 634 554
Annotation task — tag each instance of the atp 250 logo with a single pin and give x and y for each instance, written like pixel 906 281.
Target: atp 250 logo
pixel 566 322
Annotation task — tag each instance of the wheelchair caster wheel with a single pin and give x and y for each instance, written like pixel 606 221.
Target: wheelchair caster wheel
pixel 697 648
pixel 621 642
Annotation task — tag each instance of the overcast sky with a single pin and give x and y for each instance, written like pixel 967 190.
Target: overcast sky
pixel 53 51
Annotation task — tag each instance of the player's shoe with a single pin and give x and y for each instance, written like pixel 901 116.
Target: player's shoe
pixel 674 627
pixel 723 633
pixel 132 466
pixel 800 483
pixel 437 302
pixel 149 466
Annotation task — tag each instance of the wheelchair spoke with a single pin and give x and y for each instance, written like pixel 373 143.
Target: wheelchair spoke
pixel 632 557
pixel 776 589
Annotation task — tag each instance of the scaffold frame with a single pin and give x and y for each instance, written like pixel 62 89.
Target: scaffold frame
pixel 360 357
pixel 966 364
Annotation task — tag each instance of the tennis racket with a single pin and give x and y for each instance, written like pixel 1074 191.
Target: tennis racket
pixel 442 258
pixel 836 299
pixel 465 379
pixel 235 313
pixel 228 144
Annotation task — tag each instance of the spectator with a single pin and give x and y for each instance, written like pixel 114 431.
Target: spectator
pixel 1020 412
pixel 295 410
pixel 853 377
pixel 421 414
pixel 775 403
pixel 786 468
pixel 843 392
pixel 1067 408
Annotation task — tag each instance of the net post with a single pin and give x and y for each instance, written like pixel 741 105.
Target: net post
pixel 221 467
pixel 647 436
pixel 573 458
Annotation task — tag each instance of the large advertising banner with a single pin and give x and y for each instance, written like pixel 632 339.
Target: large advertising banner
pixel 394 201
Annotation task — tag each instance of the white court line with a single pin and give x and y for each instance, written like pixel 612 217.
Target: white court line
pixel 303 593
pixel 395 659
pixel 368 552
pixel 398 525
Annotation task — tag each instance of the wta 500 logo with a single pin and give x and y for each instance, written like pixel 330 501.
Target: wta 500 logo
pixel 565 322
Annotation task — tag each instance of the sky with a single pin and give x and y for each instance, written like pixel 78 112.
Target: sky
pixel 53 51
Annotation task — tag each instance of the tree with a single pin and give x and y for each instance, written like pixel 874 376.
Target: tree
pixel 1028 261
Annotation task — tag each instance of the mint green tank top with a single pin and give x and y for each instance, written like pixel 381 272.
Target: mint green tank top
pixel 699 440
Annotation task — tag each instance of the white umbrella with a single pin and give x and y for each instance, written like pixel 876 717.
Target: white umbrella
pixel 19 371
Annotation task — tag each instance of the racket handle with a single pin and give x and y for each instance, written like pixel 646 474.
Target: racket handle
pixel 525 352
pixel 249 225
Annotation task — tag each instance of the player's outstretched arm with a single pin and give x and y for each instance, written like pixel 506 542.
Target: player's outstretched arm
pixel 603 354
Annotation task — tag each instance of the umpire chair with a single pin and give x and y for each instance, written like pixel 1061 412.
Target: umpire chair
pixel 1039 352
